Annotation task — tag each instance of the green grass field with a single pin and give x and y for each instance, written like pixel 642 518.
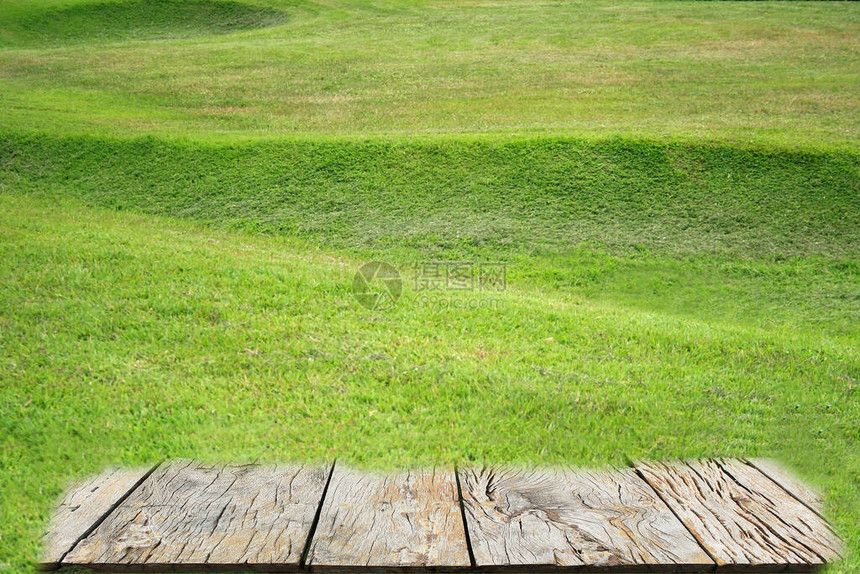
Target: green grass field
pixel 187 189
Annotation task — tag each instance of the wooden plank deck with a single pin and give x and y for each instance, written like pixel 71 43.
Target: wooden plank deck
pixel 723 515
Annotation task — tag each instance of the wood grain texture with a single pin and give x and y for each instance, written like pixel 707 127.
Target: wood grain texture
pixel 405 521
pixel 778 473
pixel 190 516
pixel 742 517
pixel 84 505
pixel 726 514
pixel 558 519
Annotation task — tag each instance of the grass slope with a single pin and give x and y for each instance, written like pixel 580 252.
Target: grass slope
pixel 766 238
pixel 770 72
pixel 142 20
pixel 665 300
pixel 128 338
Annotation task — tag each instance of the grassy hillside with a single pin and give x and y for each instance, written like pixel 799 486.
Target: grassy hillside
pixel 139 20
pixel 664 300
pixel 749 71
pixel 188 187
pixel 766 238
pixel 128 338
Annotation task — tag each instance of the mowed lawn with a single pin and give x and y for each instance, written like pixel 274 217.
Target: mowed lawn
pixel 738 71
pixel 187 189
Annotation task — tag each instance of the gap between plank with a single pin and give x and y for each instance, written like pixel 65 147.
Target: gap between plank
pixel 472 561
pixel 641 475
pixel 786 490
pixel 313 529
pixel 108 512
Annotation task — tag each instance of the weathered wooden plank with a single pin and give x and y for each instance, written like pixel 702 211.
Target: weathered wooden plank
pixel 742 517
pixel 821 538
pixel 576 519
pixel 381 522
pixel 190 516
pixel 778 473
pixel 83 506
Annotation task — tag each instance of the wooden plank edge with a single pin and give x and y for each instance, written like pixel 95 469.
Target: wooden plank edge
pixel 352 569
pixel 49 566
pixel 156 568
pixel 593 569
pixel 188 567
